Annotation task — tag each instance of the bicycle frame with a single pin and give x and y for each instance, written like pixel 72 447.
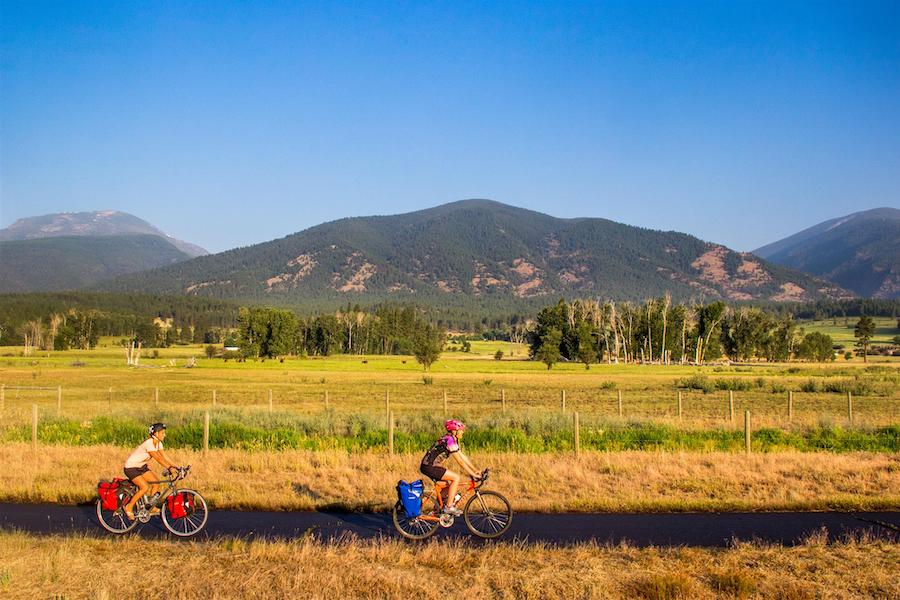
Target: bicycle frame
pixel 471 488
pixel 163 493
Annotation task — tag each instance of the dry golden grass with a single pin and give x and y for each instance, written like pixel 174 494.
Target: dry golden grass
pixel 101 568
pixel 615 481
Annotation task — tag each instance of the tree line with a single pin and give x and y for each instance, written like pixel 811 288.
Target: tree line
pixel 663 332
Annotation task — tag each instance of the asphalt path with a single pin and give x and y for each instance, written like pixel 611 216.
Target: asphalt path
pixel 656 529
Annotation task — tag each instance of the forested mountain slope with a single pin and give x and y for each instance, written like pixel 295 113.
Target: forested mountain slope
pixel 73 262
pixel 477 251
pixel 860 252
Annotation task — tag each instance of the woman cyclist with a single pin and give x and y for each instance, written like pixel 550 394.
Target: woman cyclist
pixel 442 449
pixel 139 473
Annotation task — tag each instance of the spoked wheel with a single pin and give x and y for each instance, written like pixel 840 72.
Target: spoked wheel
pixel 417 528
pixel 191 523
pixel 488 514
pixel 115 521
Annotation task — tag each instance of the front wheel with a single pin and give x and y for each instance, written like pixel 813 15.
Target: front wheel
pixel 421 527
pixel 488 514
pixel 115 521
pixel 192 521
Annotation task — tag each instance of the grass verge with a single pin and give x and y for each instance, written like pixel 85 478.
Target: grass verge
pixel 551 482
pixel 86 567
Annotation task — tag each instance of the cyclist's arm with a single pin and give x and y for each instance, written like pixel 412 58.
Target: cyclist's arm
pixel 465 463
pixel 162 459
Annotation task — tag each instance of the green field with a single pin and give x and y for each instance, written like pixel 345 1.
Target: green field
pixel 841 330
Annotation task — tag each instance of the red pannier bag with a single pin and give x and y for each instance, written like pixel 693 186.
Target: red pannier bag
pixel 180 505
pixel 109 493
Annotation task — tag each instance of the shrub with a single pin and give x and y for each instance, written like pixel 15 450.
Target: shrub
pixel 608 385
pixel 427 380
pixel 498 355
pixel 696 382
pixel 810 385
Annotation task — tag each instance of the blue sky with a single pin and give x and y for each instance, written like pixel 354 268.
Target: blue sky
pixel 227 124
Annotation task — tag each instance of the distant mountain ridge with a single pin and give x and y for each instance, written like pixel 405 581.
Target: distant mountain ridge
pixel 95 223
pixel 69 251
pixel 477 250
pixel 74 262
pixel 859 251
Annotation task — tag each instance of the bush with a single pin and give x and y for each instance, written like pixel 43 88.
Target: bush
pixel 427 380
pixel 810 385
pixel 498 355
pixel 696 382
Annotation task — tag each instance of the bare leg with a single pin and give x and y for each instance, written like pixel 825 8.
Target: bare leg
pixel 453 478
pixel 143 487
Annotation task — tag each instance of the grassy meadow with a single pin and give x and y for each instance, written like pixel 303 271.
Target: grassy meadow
pixel 332 413
pixel 92 568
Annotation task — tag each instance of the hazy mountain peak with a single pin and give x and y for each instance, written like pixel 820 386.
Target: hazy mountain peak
pixel 859 251
pixel 93 223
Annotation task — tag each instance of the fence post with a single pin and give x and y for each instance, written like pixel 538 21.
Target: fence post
pixel 731 405
pixel 747 431
pixel 387 407
pixel 850 406
pixel 445 404
pixel 214 398
pixel 58 400
pixel 109 399
pixel 34 420
pixel 577 433
pixel 503 399
pixel 270 401
pixel 2 396
pixel 156 397
pixel 790 405
pixel 391 433
pixel 326 400
pixel 206 432
pixel 620 401
pixel 562 400
pixel 679 404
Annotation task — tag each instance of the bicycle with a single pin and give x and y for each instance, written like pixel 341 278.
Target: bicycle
pixel 487 514
pixel 183 511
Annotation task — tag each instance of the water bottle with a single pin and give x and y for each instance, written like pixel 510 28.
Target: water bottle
pixel 154 498
pixel 456 498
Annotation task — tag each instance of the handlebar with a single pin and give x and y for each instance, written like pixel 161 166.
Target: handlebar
pixel 180 472
pixel 483 478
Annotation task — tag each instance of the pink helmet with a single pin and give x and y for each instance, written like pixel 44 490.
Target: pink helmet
pixel 454 425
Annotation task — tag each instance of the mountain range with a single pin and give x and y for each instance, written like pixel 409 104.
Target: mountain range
pixel 479 251
pixel 860 252
pixel 74 250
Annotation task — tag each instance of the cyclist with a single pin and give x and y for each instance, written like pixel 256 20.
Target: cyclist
pixel 441 450
pixel 139 473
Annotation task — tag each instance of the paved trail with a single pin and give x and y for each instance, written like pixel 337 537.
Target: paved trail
pixel 670 529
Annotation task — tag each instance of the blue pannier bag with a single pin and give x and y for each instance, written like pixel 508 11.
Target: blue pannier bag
pixel 410 495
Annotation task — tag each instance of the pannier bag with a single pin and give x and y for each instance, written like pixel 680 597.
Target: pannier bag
pixel 180 505
pixel 110 492
pixel 410 495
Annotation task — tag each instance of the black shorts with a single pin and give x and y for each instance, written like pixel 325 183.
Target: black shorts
pixel 432 471
pixel 132 472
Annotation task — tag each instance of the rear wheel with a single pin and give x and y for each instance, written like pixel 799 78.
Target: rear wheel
pixel 421 527
pixel 115 521
pixel 191 523
pixel 488 514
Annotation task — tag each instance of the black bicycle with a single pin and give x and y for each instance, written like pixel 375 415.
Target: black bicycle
pixel 183 511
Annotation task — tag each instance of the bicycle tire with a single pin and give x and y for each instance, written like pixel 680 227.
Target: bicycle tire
pixel 188 525
pixel 488 521
pixel 114 521
pixel 415 528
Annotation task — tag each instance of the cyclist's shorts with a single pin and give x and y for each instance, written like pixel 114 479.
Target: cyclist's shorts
pixel 132 472
pixel 435 473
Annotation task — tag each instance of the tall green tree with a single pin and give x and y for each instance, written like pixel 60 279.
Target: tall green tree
pixel 816 346
pixel 549 353
pixel 428 344
pixel 863 332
